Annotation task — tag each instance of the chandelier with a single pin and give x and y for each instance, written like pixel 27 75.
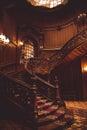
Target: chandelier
pixel 47 3
pixel 82 19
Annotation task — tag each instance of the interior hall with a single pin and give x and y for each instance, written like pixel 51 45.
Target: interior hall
pixel 43 64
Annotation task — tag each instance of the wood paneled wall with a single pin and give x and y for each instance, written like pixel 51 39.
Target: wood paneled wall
pixel 9 58
pixel 52 24
pixel 9 25
pixel 7 54
pixel 84 76
pixel 70 79
pixel 57 38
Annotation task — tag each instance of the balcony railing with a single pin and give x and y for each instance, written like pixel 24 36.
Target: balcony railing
pixel 39 65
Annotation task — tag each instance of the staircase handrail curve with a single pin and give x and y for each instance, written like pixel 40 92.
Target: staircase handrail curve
pixel 69 46
pixel 18 93
pixel 45 82
pixel 17 81
pixel 37 77
pixel 47 89
pixel 73 43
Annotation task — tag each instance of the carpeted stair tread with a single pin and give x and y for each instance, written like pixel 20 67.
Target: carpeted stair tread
pixel 47 111
pixel 57 124
pixel 53 117
pixel 48 108
pixel 43 106
pixel 41 101
pixel 40 98
pixel 50 118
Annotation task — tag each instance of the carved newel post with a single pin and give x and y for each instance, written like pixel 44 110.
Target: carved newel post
pixel 35 111
pixel 58 99
pixel 57 90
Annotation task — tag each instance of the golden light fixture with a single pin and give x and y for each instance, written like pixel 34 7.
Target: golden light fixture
pixel 21 43
pixel 82 19
pixel 47 3
pixel 84 67
pixel 4 39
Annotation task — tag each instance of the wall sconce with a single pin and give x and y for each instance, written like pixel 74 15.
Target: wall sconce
pixel 4 39
pixel 21 43
pixel 41 41
pixel 81 19
pixel 41 46
pixel 84 68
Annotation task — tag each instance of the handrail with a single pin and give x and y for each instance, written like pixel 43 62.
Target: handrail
pixel 72 43
pixel 19 93
pixel 75 41
pixel 37 65
pixel 37 77
pixel 45 88
pixel 40 65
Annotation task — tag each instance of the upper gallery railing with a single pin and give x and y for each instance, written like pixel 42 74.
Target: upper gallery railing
pixel 39 65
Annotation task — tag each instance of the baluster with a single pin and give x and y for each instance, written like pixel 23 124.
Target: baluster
pixel 48 62
pixel 57 87
pixel 35 112
pixel 58 99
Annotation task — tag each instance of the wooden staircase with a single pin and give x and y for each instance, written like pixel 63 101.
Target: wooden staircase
pixel 51 116
pixel 25 102
pixel 35 101
pixel 74 48
pixel 49 113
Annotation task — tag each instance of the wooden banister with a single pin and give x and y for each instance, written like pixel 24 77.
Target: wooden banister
pixel 45 65
pixel 20 94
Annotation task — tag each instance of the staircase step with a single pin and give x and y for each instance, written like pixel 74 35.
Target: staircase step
pixel 57 124
pixel 43 106
pixel 41 101
pixel 47 111
pixel 50 116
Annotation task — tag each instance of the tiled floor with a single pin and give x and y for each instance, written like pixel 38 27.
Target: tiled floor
pixel 79 104
pixel 80 115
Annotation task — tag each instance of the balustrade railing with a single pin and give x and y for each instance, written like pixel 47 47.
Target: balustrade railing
pixel 24 95
pixel 46 89
pixel 52 92
pixel 43 66
pixel 39 65
pixel 20 94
